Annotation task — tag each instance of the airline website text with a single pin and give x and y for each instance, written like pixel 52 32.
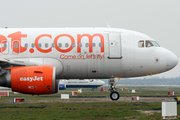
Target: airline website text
pixel 16 38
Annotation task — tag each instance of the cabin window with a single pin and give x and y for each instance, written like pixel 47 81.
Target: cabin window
pixel 80 44
pixel 87 44
pixel 66 45
pixel 94 44
pixel 73 44
pixel 53 45
pixel 141 43
pixel 39 45
pixel 46 45
pixel 15 45
pixel 60 45
pixel 5 45
pixel 26 45
pixel 32 45
pixel 148 43
pixel 100 44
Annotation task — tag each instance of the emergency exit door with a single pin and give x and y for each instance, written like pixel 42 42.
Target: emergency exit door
pixel 4 47
pixel 115 50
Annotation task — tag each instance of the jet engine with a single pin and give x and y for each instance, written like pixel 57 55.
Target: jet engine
pixel 31 79
pixel 62 86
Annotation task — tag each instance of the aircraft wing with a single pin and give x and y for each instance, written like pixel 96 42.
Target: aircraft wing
pixel 7 63
pixel 16 62
pixel 31 61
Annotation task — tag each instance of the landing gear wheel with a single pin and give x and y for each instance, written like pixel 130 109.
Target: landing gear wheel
pixel 114 95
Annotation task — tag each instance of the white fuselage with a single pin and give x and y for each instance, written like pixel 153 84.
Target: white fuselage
pixel 85 53
pixel 82 83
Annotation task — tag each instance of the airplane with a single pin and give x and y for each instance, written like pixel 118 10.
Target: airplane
pixel 32 60
pixel 86 83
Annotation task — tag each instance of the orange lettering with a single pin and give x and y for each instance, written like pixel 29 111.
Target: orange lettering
pixel 17 37
pixel 66 50
pixel 79 37
pixel 36 43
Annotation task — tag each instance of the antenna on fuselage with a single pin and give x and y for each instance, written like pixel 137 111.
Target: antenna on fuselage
pixel 108 26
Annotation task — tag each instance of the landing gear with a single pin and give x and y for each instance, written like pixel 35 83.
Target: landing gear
pixel 114 94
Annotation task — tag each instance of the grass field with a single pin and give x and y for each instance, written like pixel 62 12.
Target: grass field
pixel 140 91
pixel 86 111
pixel 82 111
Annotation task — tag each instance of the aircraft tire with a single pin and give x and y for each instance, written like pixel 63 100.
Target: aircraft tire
pixel 114 95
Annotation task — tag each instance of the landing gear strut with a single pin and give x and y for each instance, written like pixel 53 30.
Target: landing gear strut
pixel 114 94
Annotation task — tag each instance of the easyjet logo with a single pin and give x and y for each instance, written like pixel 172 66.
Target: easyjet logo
pixel 17 36
pixel 30 79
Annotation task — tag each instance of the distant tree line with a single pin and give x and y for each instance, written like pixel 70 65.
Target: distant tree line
pixel 148 81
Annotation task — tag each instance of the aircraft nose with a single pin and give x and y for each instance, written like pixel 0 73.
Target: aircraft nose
pixel 171 60
pixel 103 82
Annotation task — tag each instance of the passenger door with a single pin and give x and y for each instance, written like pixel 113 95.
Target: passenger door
pixel 115 50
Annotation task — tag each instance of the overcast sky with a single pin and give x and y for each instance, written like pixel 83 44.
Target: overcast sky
pixel 159 19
